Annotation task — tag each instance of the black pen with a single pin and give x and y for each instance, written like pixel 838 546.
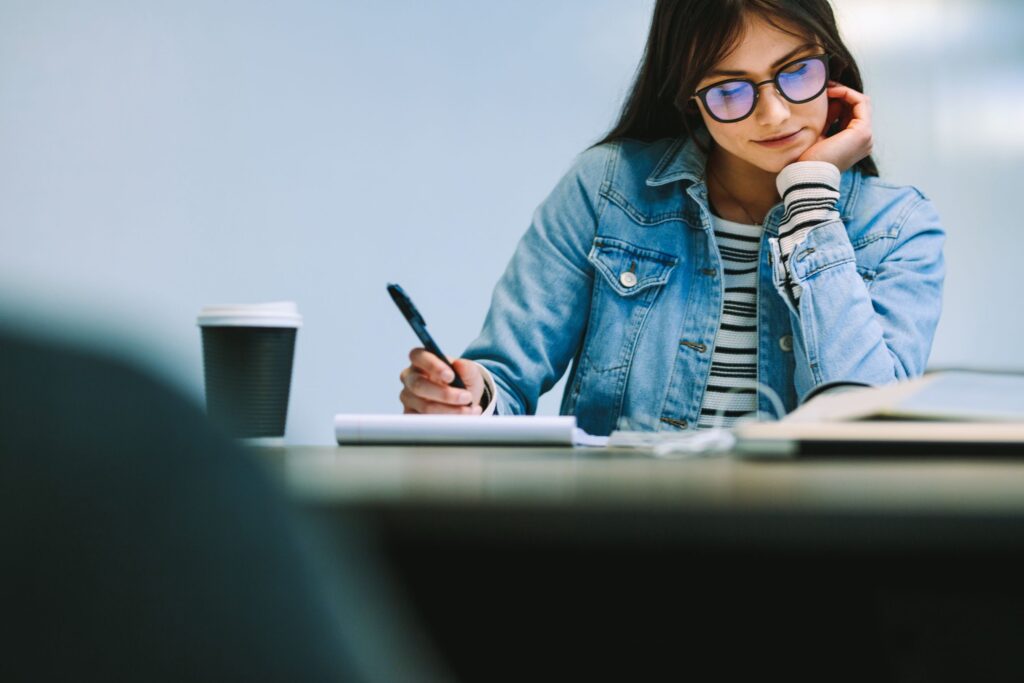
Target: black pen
pixel 419 326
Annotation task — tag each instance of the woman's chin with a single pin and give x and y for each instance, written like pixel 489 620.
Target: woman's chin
pixel 774 166
pixel 774 163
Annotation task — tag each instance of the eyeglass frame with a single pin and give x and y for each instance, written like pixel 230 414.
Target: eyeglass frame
pixel 703 92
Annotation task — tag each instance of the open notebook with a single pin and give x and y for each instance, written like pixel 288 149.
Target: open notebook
pixel 946 412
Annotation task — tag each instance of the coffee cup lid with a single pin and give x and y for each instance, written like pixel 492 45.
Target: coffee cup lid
pixel 274 314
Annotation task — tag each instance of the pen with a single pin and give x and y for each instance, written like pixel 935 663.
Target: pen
pixel 419 326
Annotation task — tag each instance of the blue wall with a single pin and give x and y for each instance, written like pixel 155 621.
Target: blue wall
pixel 159 156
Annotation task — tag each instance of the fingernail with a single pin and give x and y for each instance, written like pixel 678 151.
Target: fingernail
pixel 448 376
pixel 465 397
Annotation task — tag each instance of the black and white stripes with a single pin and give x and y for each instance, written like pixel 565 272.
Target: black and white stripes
pixel 809 191
pixel 731 389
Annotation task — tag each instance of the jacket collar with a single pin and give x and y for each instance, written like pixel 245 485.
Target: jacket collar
pixel 684 160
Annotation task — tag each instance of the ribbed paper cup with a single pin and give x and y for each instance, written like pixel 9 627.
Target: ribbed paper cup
pixel 248 351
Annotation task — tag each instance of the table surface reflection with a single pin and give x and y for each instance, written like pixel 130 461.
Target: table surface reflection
pixel 573 477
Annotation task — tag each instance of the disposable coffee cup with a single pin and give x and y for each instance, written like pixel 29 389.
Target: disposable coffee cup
pixel 248 350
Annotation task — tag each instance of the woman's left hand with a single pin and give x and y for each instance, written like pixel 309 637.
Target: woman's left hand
pixel 854 140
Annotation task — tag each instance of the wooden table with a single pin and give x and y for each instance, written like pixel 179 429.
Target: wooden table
pixel 563 483
pixel 582 556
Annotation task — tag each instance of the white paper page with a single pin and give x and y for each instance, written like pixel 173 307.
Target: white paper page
pixel 967 396
pixel 949 395
pixel 855 404
pixel 523 430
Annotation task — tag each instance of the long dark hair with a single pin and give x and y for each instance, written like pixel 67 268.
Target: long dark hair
pixel 687 39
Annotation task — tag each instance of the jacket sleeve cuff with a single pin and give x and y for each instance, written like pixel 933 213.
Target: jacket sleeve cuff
pixel 492 405
pixel 826 246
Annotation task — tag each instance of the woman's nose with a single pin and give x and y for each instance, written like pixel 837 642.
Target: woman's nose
pixel 772 108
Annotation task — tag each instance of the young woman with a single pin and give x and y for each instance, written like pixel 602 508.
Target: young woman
pixel 730 230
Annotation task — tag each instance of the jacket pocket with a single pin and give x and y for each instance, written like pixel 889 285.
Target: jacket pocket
pixel 630 279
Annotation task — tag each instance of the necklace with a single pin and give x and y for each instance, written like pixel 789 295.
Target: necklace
pixel 731 196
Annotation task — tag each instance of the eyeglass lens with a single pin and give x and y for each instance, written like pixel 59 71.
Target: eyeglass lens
pixel 798 82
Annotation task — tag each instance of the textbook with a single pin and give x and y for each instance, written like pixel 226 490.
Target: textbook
pixel 954 412
pixel 955 395
pixel 518 430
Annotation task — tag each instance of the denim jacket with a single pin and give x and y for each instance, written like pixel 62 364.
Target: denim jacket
pixel 640 345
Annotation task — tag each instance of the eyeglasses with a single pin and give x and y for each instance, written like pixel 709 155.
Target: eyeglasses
pixel 799 81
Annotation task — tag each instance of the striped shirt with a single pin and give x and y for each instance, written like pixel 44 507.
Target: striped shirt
pixel 731 391
pixel 809 190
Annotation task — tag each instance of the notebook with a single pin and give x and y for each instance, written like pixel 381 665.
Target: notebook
pixel 946 413
pixel 518 430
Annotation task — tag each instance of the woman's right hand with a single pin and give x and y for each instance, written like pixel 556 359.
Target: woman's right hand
pixel 425 386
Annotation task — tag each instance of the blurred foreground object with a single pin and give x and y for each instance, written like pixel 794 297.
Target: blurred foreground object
pixel 139 544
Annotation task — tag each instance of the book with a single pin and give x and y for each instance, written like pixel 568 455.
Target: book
pixel 955 395
pixel 955 412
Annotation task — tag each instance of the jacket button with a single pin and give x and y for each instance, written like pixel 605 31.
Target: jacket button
pixel 628 279
pixel 786 343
